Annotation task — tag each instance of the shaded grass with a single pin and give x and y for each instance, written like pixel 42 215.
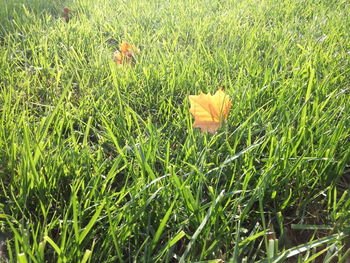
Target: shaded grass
pixel 102 163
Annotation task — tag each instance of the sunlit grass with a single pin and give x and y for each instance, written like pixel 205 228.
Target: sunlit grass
pixel 100 162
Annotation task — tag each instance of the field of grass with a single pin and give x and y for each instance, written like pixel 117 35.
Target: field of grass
pixel 100 163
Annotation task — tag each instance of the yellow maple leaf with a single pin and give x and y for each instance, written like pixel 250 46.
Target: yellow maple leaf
pixel 209 110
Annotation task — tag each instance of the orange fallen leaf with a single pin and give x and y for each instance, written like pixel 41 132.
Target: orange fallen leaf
pixel 127 49
pixel 126 54
pixel 209 110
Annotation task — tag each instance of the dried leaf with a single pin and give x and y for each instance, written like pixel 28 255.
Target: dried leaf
pixel 126 54
pixel 117 57
pixel 209 110
pixel 127 49
pixel 66 14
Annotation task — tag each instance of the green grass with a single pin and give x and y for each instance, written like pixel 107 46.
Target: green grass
pixel 100 163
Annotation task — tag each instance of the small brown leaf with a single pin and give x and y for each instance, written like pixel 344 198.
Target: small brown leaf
pixel 118 58
pixel 66 14
pixel 126 55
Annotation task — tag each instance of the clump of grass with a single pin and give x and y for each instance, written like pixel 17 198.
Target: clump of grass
pixel 101 164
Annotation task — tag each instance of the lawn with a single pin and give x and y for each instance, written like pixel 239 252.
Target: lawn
pixel 100 162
